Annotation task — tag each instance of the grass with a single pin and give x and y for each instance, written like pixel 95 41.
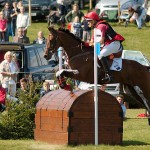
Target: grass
pixel 136 136
pixel 135 39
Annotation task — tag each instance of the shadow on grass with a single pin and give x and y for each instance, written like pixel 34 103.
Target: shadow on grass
pixel 133 143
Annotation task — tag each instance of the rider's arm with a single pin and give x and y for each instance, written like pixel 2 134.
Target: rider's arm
pixel 91 43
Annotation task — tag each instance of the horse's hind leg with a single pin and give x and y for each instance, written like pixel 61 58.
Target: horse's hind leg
pixel 67 73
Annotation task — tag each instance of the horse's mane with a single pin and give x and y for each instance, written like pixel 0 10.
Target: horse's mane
pixel 71 34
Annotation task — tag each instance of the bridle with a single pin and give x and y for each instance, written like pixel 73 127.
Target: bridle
pixel 53 42
pixel 53 46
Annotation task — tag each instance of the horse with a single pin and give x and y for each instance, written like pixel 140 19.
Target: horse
pixel 133 75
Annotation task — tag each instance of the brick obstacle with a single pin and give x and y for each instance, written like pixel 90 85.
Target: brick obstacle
pixel 65 118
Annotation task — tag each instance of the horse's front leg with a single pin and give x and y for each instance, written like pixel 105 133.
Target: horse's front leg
pixel 67 73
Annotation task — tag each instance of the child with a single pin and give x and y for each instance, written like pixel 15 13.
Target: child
pixel 86 31
pixel 76 27
pixel 3 27
pixel 45 89
pixel 120 99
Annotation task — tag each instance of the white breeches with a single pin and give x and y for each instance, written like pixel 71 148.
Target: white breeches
pixel 113 47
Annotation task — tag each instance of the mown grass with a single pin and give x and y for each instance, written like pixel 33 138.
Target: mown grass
pixel 135 39
pixel 136 136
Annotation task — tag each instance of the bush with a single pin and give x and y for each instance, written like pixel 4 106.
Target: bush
pixel 18 120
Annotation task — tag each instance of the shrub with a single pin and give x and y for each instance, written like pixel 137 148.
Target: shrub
pixel 18 120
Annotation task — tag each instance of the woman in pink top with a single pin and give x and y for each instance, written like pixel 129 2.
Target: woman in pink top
pixel 3 27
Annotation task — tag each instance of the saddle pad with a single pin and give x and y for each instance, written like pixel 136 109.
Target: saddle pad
pixel 117 64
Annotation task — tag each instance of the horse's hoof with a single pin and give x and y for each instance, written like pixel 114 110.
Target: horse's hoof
pixel 58 73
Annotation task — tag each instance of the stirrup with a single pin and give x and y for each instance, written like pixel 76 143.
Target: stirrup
pixel 107 79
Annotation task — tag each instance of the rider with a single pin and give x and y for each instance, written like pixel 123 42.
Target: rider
pixel 110 41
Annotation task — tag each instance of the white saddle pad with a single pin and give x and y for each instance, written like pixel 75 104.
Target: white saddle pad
pixel 117 64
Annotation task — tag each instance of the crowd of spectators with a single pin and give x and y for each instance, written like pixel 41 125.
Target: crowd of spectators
pixel 15 22
pixel 12 18
pixel 72 20
pixel 77 24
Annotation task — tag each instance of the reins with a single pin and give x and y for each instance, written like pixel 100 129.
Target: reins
pixel 80 55
pixel 83 53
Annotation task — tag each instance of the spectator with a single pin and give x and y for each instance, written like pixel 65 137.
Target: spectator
pixel 9 71
pixel 45 89
pixel 72 14
pixel 16 60
pixel 40 39
pixel 86 30
pixel 13 15
pixel 3 27
pixel 19 5
pixel 76 28
pixel 62 12
pixel 7 15
pixel 24 84
pixel 103 87
pixel 120 99
pixel 20 37
pixel 2 98
pixel 137 13
pixel 23 87
pixel 22 20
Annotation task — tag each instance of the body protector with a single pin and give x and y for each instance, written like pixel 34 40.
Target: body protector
pixel 111 35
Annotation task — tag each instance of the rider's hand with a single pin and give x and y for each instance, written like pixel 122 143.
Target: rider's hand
pixel 91 43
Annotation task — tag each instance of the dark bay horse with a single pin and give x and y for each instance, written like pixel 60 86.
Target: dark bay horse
pixel 81 61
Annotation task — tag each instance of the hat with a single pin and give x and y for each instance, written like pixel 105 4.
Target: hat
pixel 92 16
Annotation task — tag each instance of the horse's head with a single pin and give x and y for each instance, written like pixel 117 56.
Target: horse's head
pixel 52 44
pixel 64 38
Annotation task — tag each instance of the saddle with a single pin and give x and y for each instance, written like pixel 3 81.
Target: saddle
pixel 112 56
pixel 115 55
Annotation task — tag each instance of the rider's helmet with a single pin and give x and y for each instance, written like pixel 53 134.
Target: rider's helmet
pixel 92 16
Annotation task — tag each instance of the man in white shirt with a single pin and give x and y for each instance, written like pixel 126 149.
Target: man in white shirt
pixel 22 20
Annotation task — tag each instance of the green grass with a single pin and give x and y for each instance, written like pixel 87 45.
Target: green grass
pixel 135 39
pixel 136 136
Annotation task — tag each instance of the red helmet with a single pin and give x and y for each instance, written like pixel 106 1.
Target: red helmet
pixel 92 16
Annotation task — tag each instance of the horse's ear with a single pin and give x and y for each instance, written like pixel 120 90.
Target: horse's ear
pixel 51 28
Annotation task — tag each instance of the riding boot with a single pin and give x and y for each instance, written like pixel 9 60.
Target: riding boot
pixel 105 65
